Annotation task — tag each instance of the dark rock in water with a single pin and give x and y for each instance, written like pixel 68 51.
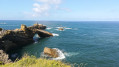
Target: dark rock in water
pixel 0 29
pixel 14 39
pixel 50 52
pixel 4 58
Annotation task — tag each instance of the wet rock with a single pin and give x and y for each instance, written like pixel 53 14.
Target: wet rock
pixel 61 29
pixel 50 52
pixel 0 29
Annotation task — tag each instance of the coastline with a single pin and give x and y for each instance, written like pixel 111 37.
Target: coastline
pixel 11 40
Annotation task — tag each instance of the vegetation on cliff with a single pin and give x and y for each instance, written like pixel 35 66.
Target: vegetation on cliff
pixel 32 61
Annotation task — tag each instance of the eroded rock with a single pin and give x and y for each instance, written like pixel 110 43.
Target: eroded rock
pixel 39 26
pixel 50 52
pixel 21 37
pixel 11 40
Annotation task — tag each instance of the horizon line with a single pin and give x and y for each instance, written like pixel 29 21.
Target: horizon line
pixel 63 20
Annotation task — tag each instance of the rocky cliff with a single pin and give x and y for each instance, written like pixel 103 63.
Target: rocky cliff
pixel 14 39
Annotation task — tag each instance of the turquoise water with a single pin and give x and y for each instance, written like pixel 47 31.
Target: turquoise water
pixel 93 43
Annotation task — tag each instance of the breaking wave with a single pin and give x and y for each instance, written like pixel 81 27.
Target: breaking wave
pixel 54 34
pixel 71 54
pixel 59 27
pixel 49 28
pixel 60 54
pixel 59 30
pixel 68 28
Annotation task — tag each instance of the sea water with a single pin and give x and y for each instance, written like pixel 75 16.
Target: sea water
pixel 92 43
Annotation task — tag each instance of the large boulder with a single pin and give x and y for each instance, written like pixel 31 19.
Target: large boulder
pixel 61 29
pixel 50 52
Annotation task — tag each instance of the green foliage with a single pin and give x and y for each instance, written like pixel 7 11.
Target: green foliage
pixel 1 62
pixel 31 61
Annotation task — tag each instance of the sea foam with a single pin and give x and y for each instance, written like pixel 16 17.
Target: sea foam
pixel 54 34
pixel 59 27
pixel 60 54
pixel 48 28
pixel 68 28
pixel 71 53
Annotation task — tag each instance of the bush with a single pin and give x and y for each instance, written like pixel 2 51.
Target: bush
pixel 32 61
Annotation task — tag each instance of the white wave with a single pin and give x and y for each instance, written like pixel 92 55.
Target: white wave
pixel 68 28
pixel 59 27
pixel 59 30
pixel 71 54
pixel 60 54
pixel 49 28
pixel 54 34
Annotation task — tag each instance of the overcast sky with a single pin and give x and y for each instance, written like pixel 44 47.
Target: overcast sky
pixel 60 10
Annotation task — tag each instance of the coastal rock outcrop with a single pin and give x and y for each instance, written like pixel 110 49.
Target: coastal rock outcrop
pixel 61 29
pixel 50 52
pixel 39 26
pixel 4 58
pixel 14 39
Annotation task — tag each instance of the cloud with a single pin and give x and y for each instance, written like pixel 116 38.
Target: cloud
pixel 51 1
pixel 42 7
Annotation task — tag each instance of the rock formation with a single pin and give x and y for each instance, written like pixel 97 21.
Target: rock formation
pixel 50 52
pixel 14 39
pixel 0 29
pixel 4 58
pixel 61 29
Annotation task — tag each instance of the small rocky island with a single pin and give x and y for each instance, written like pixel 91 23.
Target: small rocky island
pixel 14 39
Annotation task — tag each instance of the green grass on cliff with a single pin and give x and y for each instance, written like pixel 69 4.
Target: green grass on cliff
pixel 31 61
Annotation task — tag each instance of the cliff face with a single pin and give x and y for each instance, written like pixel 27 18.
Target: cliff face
pixel 13 39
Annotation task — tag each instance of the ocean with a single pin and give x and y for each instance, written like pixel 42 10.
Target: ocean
pixel 87 43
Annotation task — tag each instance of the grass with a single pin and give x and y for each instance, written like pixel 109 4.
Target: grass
pixel 32 61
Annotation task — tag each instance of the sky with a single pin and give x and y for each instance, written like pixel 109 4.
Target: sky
pixel 60 10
